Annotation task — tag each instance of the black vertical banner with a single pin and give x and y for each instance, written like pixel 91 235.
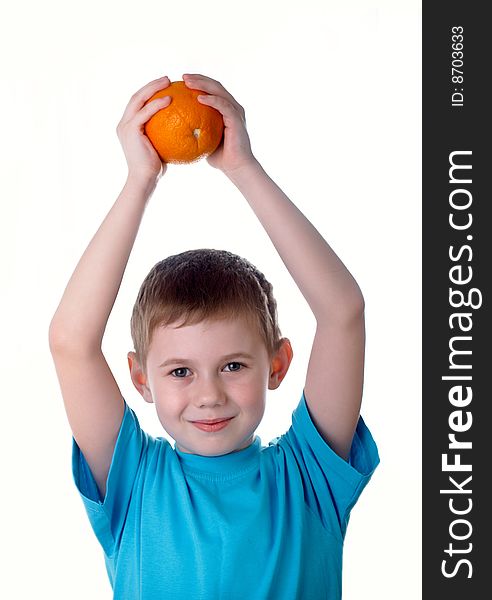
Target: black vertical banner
pixel 457 271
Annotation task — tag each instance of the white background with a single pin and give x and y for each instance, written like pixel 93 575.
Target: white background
pixel 332 97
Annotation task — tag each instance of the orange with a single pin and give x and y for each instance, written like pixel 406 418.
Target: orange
pixel 184 131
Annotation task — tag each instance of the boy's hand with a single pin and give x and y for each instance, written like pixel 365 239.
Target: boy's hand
pixel 234 151
pixel 141 157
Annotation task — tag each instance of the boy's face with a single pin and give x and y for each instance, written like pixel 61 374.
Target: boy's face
pixel 211 371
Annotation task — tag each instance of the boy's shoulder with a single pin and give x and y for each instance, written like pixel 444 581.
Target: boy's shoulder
pixel 303 438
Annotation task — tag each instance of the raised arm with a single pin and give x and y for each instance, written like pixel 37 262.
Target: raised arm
pixel 334 380
pixel 92 399
pixel 333 388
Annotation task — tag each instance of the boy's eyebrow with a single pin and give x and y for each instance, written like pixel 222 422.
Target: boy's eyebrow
pixel 173 361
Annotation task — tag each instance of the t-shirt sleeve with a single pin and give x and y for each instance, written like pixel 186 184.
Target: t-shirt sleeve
pixel 107 517
pixel 331 485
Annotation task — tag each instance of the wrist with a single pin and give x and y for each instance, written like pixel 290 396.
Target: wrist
pixel 243 174
pixel 141 182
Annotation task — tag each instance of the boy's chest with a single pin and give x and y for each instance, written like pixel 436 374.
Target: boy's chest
pixel 225 517
pixel 228 540
pixel 201 536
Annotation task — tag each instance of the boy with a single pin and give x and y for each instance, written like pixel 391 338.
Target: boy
pixel 219 516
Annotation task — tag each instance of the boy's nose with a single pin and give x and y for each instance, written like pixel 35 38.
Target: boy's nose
pixel 210 393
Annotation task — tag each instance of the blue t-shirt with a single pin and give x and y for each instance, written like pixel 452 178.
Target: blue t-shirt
pixel 262 523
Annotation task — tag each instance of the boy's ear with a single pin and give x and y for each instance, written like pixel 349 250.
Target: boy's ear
pixel 138 377
pixel 280 364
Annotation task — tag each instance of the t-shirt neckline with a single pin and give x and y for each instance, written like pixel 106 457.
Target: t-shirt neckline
pixel 225 464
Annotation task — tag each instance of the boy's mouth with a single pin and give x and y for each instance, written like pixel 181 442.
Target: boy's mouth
pixel 211 421
pixel 212 424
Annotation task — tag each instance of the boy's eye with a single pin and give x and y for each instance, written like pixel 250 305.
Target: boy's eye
pixel 179 369
pixel 235 363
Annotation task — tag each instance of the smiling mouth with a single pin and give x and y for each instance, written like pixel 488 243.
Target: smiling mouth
pixel 212 425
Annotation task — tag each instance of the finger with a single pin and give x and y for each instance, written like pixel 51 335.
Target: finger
pixel 227 109
pixel 139 98
pixel 207 84
pixel 211 86
pixel 150 109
